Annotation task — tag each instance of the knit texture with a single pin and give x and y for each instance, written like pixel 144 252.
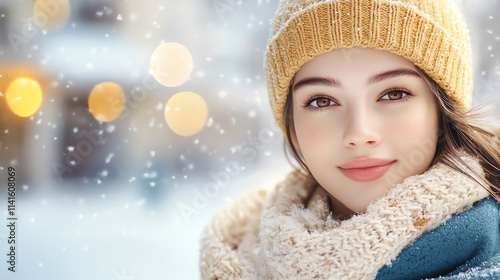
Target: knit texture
pixel 270 235
pixel 430 33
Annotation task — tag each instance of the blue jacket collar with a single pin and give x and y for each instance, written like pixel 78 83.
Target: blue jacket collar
pixel 467 246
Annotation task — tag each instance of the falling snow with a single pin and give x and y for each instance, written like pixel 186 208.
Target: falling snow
pixel 108 158
pixel 125 178
pixel 110 128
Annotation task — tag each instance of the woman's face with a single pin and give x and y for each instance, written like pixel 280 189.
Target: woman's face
pixel 364 121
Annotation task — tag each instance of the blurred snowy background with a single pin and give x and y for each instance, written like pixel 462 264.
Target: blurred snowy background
pixel 128 199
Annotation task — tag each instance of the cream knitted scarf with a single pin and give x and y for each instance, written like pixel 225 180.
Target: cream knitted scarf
pixel 273 237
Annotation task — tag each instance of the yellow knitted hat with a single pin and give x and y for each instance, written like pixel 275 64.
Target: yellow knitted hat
pixel 430 33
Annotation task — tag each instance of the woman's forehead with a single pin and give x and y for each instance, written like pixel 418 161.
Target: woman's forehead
pixel 359 60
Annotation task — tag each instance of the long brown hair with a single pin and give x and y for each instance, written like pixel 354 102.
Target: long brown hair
pixel 472 132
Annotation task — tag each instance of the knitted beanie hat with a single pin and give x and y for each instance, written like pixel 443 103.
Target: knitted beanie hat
pixel 430 33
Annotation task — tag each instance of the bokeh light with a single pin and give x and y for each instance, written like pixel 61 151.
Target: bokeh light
pixel 106 101
pixel 24 97
pixel 51 15
pixel 171 64
pixel 186 113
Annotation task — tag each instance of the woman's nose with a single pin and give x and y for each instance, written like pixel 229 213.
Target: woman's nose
pixel 361 130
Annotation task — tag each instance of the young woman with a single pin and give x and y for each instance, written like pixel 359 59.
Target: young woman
pixel 397 178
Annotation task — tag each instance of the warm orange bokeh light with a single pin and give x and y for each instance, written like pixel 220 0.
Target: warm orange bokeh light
pixel 51 15
pixel 186 113
pixel 171 64
pixel 24 97
pixel 107 101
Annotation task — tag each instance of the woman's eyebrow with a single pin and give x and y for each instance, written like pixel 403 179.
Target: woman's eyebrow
pixel 392 74
pixel 318 81
pixel 332 82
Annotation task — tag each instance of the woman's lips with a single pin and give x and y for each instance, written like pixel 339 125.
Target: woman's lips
pixel 365 170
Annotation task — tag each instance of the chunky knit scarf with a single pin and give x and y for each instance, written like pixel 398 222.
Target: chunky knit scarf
pixel 268 234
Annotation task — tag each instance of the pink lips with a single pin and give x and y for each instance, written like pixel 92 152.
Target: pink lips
pixel 364 170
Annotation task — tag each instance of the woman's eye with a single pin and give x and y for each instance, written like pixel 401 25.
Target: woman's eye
pixel 322 102
pixel 394 95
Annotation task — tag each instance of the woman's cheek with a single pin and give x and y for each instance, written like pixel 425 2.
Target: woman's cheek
pixel 414 141
pixel 315 141
pixel 404 130
pixel 407 127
